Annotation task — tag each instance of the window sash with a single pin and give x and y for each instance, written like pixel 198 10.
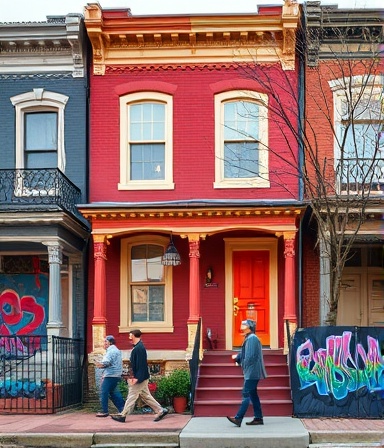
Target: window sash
pixel 147 162
pixel 40 131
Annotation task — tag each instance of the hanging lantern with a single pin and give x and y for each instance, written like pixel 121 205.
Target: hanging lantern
pixel 171 256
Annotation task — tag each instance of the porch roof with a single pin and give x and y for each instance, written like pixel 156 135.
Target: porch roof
pixel 194 216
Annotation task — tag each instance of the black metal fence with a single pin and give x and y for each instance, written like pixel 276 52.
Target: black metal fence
pixel 40 374
pixel 194 364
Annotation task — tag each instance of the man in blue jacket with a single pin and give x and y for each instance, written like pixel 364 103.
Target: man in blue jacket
pixel 251 361
pixel 112 365
pixel 138 383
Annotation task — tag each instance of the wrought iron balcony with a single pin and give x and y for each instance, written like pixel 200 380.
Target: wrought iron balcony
pixel 38 189
pixel 357 175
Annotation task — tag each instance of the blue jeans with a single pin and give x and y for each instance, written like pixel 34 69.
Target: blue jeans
pixel 109 389
pixel 250 395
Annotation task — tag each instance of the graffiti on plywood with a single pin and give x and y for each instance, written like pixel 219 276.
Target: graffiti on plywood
pixel 338 371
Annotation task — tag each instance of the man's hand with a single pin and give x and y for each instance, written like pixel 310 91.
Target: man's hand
pixel 132 381
pixel 99 365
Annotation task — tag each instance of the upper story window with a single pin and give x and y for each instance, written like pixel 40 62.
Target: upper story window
pixel 241 140
pixel 146 148
pixel 40 129
pixel 359 143
pixel 146 285
pixel 40 144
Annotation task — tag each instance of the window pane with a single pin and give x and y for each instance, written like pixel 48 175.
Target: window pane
pixel 241 160
pixel 146 263
pixel 241 121
pixel 40 131
pixel 147 162
pixel 147 303
pixel 147 122
pixel 34 160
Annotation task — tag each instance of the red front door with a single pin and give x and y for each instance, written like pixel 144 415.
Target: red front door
pixel 251 293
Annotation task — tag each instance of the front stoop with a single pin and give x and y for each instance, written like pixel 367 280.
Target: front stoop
pixel 220 382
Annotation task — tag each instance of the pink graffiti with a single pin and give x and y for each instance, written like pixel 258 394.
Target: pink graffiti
pixel 14 310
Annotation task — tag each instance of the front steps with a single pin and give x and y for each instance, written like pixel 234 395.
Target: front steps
pixel 220 382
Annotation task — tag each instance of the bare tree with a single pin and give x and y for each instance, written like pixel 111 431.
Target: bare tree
pixel 334 116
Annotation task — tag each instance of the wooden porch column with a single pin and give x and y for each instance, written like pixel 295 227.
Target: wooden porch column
pixel 194 282
pixel 55 259
pixel 100 292
pixel 194 289
pixel 290 316
pixel 290 277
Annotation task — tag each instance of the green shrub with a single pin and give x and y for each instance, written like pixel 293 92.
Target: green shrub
pixel 176 384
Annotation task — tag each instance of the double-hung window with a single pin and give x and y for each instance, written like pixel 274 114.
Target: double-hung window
pixel 146 291
pixel 40 129
pixel 241 140
pixel 359 145
pixel 146 141
pixel 40 149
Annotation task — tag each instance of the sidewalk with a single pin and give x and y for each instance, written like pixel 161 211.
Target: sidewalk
pixel 82 429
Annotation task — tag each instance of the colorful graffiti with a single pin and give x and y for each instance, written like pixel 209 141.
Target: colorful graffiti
pixel 338 371
pixel 23 305
pixel 334 370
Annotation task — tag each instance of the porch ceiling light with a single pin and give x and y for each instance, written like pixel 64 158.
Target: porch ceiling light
pixel 171 256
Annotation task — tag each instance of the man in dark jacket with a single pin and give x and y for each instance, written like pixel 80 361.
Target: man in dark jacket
pixel 251 360
pixel 138 383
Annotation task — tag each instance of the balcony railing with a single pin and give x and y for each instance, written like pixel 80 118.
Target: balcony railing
pixel 360 175
pixel 34 188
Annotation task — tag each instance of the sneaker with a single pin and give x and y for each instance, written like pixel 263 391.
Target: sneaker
pixel 162 414
pixel 102 414
pixel 235 421
pixel 118 418
pixel 256 421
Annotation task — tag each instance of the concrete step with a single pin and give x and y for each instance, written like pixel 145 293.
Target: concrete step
pixel 346 445
pixel 136 440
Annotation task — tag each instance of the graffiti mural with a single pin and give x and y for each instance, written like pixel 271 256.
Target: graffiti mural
pixel 338 372
pixel 23 304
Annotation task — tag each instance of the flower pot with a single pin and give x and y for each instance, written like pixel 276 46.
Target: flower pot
pixel 179 404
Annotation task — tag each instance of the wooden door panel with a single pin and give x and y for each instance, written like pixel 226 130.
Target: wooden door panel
pixel 251 293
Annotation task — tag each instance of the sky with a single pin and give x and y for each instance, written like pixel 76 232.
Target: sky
pixel 37 10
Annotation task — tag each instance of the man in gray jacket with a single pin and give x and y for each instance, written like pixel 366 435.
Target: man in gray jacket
pixel 251 360
pixel 112 365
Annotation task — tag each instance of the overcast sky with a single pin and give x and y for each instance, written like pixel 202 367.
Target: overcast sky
pixel 37 10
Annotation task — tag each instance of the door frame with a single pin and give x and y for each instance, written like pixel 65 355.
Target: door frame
pixel 251 244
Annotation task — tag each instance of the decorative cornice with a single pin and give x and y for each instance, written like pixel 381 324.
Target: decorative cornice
pixel 119 39
pixel 56 45
pixel 121 214
pixel 341 33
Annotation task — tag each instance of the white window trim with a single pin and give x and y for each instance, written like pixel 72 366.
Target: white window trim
pixel 261 181
pixel 125 183
pixel 34 101
pixel 374 86
pixel 126 323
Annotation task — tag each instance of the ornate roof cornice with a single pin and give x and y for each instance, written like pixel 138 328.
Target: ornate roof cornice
pixel 342 33
pixel 119 39
pixel 56 45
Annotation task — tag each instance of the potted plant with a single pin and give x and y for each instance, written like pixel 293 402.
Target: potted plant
pixel 175 389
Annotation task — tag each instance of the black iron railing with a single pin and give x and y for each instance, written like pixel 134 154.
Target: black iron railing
pixel 40 374
pixel 36 188
pixel 357 175
pixel 194 364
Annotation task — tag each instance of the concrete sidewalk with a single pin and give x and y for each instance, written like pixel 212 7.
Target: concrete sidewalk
pixel 81 429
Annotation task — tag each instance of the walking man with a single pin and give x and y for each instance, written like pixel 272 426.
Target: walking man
pixel 251 361
pixel 138 384
pixel 112 366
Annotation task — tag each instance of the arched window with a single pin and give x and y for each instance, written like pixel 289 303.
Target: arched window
pixel 241 140
pixel 146 285
pixel 40 129
pixel 146 147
